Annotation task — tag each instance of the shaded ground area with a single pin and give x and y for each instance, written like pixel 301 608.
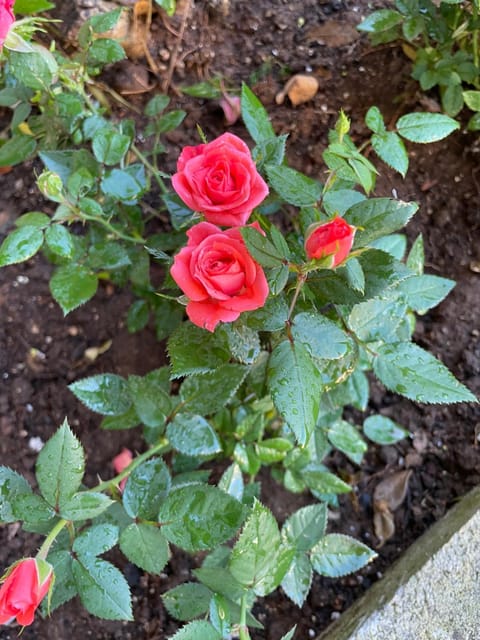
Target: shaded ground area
pixel 262 43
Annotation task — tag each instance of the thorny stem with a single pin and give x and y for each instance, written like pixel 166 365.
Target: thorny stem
pixel 301 278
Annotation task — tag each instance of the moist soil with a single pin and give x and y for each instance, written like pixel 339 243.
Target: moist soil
pixel 263 44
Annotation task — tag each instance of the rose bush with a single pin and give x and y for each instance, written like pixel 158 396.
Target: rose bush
pixel 6 18
pixel 333 238
pixel 218 275
pixel 25 586
pixel 220 180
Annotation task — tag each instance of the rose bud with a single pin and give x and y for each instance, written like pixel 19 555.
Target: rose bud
pixel 220 180
pixel 218 275
pixel 25 585
pixel 6 18
pixel 334 238
pixel 231 107
pixel 121 462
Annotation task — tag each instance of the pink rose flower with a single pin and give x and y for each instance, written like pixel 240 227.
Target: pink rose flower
pixel 6 18
pixel 218 275
pixel 334 238
pixel 121 462
pixel 25 586
pixel 220 180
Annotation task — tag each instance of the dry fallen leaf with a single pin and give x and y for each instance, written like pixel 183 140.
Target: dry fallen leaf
pixel 388 496
pixel 92 353
pixel 300 88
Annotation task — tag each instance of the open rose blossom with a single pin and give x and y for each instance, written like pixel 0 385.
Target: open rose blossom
pixel 25 586
pixel 218 275
pixel 334 238
pixel 220 180
pixel 6 18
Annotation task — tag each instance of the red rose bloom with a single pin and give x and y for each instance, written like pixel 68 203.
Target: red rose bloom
pixel 6 18
pixel 218 275
pixel 25 586
pixel 334 238
pixel 220 180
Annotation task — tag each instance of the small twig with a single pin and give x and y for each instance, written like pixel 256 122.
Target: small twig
pixel 174 56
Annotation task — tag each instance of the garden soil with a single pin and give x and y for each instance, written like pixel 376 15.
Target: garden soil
pixel 262 43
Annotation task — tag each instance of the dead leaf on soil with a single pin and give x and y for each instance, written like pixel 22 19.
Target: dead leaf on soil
pixel 300 88
pixel 92 353
pixel 333 33
pixel 388 496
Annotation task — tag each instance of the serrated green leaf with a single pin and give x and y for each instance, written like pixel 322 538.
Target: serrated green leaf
pixel 102 22
pixel 103 590
pixel 72 285
pixel 16 150
pixel 395 244
pixel 12 484
pixel 383 430
pixel 32 508
pixel 414 373
pixel 273 449
pixel 209 392
pixel 390 148
pixel 105 51
pixel 59 240
pixel 472 100
pixel 64 588
pixel 60 467
pixel 34 219
pixel 292 186
pixel 416 257
pixel 374 120
pixel 20 245
pixel 145 546
pixel 424 291
pixel 193 435
pixel 270 151
pixel 261 249
pixel 298 579
pixel 232 482
pixel 338 201
pixel 199 517
pixel 377 319
pixel 321 336
pixel 306 527
pixel 219 580
pixel 381 20
pixel 84 506
pixel 324 481
pixel 108 255
pixel 137 316
pixel 170 121
pixel 243 341
pixel 35 68
pixel 338 555
pixel 378 217
pixel 95 540
pixel 105 393
pixel 152 404
pixel 271 317
pixel 346 438
pixel 426 127
pixel 127 420
pixel 187 601
pixel 255 116
pixel 193 350
pixel 295 385
pixel 126 185
pixel 197 630
pixel 146 488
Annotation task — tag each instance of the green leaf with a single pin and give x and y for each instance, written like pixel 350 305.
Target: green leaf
pixel 209 392
pixel 95 540
pixel 187 601
pixel 474 123
pixel 321 336
pixel 32 508
pixel 170 121
pixel 306 527
pixel 146 488
pixel 34 219
pixel 103 590
pixel 102 22
pixel 273 449
pixel 295 385
pixel 12 484
pixel 338 201
pixel 105 393
pixel 111 256
pixel 414 373
pixel 35 68
pixel 198 629
pixel 294 187
pixel 472 100
pixel 383 430
pixel 378 217
pixel 60 467
pixel 72 285
pixel 138 316
pixel 345 437
pixel 426 127
pixel 390 148
pixel 194 350
pixel 152 404
pixel 381 20
pixel 423 292
pixel 208 90
pixel 59 241
pixel 255 116
pixel 169 6
pixel 145 546
pixel 298 579
pixel 126 185
pixel 26 7
pixel 20 245
pixel 394 244
pixel 262 250
pixel 199 517
pixel 271 317
pixel 416 257
pixel 452 99
pixel 84 506
pixel 105 51
pixel 377 319
pixel 290 634
pixel 338 555
pixel 16 150
pixel 374 120
pixel 243 341
pixel 127 420
pixel 270 151
pixel 324 481
pixel 193 436
pixel 64 588
pixel 232 482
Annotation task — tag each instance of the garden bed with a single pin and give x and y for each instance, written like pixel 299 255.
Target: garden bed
pixel 41 352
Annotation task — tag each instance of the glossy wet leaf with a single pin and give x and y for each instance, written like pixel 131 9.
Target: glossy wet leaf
pixel 232 481
pixel 193 435
pixel 255 116
pixel 60 466
pixel 292 186
pixel 152 404
pixel 187 601
pixel 306 527
pixel 145 546
pixel 324 481
pixel 17 149
pixel 260 247
pixel 422 292
pixel 12 484
pixel 338 555
pixel 378 217
pixel 85 505
pixel 377 319
pixel 209 392
pixel 197 630
pixel 426 127
pixel 199 517
pixel 110 146
pixel 72 285
pixel 64 588
pixel 390 148
pixel 321 336
pixel 105 393
pixel 346 438
pixel 20 245
pixel 383 430
pixel 146 488
pixel 194 350
pixel 96 540
pixel 298 579
pixel 59 240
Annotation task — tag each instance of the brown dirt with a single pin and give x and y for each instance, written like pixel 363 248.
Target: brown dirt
pixel 262 43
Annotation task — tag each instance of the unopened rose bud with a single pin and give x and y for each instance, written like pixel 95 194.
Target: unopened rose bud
pixel 334 238
pixel 25 585
pixel 121 462
pixel 232 108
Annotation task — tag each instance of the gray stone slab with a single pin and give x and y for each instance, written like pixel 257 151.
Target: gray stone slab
pixel 431 593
